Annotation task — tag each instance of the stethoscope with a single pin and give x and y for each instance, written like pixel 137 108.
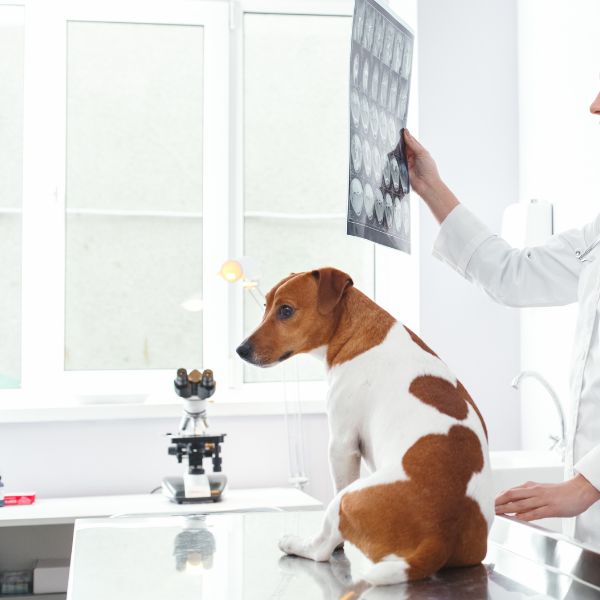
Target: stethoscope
pixel 582 256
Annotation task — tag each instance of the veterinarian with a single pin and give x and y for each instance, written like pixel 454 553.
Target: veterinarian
pixel 565 269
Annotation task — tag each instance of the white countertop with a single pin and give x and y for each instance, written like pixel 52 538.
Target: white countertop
pixel 52 511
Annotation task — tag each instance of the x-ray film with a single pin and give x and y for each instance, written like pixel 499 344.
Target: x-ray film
pixel 378 186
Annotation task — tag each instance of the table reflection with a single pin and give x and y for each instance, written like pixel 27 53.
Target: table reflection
pixel 195 545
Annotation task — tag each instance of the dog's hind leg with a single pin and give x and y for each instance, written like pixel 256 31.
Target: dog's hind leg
pixel 320 547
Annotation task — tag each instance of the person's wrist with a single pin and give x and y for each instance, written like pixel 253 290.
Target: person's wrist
pixel 441 200
pixel 432 189
pixel 586 491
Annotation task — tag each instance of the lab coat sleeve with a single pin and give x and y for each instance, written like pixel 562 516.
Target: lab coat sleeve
pixel 545 275
pixel 589 466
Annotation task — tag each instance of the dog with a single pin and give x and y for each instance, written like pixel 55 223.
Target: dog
pixel 428 500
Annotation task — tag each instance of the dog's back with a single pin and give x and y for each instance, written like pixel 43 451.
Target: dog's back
pixel 428 502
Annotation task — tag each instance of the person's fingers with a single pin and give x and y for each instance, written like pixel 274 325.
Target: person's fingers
pixel 516 493
pixel 520 506
pixel 410 154
pixel 542 512
pixel 413 143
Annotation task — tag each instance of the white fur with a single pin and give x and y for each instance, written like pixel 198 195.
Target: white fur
pixel 373 416
pixel 319 353
pixel 392 569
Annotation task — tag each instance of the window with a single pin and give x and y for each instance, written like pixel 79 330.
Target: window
pixel 160 140
pixel 11 168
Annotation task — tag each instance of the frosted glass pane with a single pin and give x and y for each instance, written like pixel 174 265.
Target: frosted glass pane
pixel 10 301
pixel 126 281
pixel 11 106
pixel 134 196
pixel 134 116
pixel 11 175
pixel 296 112
pixel 296 149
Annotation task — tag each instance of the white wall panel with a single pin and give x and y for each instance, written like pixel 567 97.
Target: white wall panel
pixel 468 119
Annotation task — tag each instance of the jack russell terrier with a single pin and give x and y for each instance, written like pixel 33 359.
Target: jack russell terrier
pixel 428 501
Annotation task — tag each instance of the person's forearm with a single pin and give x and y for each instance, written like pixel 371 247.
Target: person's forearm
pixel 440 199
pixel 425 179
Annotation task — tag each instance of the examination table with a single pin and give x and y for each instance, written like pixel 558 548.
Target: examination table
pixel 235 556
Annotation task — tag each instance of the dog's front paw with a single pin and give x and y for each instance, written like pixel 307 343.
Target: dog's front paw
pixel 292 544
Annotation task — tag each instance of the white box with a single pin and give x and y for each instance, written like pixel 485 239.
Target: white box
pixel 51 576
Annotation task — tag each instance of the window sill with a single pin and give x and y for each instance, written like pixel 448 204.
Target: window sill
pixel 250 400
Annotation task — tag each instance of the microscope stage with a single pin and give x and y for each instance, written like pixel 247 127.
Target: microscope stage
pixel 174 489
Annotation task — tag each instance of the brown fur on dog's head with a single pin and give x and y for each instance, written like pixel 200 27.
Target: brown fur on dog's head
pixel 301 314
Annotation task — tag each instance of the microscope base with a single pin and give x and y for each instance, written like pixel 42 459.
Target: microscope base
pixel 174 489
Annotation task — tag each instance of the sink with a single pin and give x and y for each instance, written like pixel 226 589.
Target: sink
pixel 514 467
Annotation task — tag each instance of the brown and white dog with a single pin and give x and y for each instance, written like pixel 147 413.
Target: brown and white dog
pixel 428 501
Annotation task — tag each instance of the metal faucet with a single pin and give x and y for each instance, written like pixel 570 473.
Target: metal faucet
pixel 558 443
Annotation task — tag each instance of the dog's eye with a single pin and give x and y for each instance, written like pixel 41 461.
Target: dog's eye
pixel 285 311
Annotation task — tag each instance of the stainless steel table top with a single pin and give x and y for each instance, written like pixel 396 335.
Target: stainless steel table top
pixel 235 556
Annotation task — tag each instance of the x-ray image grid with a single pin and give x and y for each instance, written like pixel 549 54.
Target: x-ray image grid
pixel 380 65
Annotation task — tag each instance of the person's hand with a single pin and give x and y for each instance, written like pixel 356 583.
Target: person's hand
pixel 422 169
pixel 532 501
pixel 425 179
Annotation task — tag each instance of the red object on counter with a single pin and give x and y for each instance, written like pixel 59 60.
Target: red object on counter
pixel 23 499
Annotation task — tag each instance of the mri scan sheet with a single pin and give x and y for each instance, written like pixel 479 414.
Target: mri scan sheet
pixel 380 69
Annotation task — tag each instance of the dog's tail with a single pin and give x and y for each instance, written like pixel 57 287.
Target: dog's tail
pixel 428 557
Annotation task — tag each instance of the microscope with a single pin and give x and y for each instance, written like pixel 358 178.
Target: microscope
pixel 194 442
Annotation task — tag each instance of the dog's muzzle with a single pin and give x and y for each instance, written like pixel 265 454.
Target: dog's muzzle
pixel 245 350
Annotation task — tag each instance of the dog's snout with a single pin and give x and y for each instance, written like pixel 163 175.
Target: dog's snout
pixel 244 350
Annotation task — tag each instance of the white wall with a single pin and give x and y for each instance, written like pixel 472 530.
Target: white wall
pixel 469 122
pixel 559 51
pixel 129 456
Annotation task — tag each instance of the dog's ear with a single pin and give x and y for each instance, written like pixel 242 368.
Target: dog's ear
pixel 332 285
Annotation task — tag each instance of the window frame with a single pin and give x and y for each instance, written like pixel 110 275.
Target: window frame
pixel 44 196
pixel 388 291
pixel 48 392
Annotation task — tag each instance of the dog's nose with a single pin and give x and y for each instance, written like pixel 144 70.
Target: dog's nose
pixel 244 350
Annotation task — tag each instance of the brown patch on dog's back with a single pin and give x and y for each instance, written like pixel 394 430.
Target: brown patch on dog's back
pixel 461 388
pixel 428 519
pixel 441 394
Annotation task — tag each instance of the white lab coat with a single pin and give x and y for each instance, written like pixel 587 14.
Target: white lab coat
pixel 565 269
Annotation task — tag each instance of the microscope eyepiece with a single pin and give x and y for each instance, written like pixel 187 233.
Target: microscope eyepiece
pixel 182 377
pixel 207 378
